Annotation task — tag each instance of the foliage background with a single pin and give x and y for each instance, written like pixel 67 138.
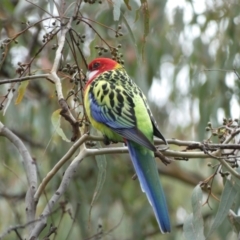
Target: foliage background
pixel 186 61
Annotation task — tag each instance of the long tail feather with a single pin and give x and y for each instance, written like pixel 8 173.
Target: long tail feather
pixel 146 169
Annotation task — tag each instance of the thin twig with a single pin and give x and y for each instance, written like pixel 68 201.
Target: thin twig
pixel 222 161
pixel 30 223
pixel 21 79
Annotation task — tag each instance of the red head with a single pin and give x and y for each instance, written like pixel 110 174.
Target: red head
pixel 100 65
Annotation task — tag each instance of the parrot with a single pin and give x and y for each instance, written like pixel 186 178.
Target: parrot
pixel 117 108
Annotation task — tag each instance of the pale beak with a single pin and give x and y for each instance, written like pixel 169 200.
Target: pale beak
pixel 91 74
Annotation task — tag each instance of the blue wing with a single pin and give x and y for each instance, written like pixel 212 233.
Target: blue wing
pixel 124 124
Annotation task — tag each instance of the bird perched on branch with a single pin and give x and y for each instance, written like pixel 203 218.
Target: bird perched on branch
pixel 117 108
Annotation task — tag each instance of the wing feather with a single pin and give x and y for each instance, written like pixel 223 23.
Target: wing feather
pixel 156 130
pixel 116 109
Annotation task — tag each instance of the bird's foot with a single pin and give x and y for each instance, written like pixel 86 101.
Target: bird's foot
pixel 106 140
pixel 163 158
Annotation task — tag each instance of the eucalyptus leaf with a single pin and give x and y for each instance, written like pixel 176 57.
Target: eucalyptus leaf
pixel 116 9
pixel 234 220
pixel 51 5
pixel 102 165
pixel 21 91
pixel 193 225
pixel 127 4
pixel 145 23
pixel 55 118
pixel 227 199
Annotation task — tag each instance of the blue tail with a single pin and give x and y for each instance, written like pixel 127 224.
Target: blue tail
pixel 146 169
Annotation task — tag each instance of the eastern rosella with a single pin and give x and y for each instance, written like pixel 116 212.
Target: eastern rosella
pixel 117 108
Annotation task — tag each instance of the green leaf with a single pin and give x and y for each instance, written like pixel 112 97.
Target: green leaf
pixel 137 14
pixel 146 23
pixel 102 166
pixel 127 4
pixel 237 180
pixel 55 118
pixel 131 33
pixel 92 45
pixel 116 9
pixel 193 225
pixel 235 221
pixel 51 5
pixel 227 199
pixel 9 6
pixel 21 91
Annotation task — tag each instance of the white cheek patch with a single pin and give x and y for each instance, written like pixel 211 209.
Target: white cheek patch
pixel 91 74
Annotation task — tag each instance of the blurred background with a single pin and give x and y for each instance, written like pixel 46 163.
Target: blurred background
pixel 186 61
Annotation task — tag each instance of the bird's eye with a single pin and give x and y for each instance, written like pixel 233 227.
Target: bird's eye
pixel 96 65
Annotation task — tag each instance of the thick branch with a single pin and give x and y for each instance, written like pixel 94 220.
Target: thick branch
pixel 53 74
pixel 184 154
pixel 59 164
pixel 184 143
pixel 69 173
pixel 29 166
pixel 84 138
pixel 66 113
pixel 88 152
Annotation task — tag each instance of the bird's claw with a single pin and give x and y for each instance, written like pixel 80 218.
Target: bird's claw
pixel 163 158
pixel 106 140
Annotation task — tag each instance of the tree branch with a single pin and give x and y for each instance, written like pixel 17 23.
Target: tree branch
pixel 66 113
pixel 179 155
pixel 68 175
pixel 21 79
pixel 59 164
pixel 28 224
pixel 30 168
